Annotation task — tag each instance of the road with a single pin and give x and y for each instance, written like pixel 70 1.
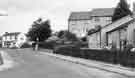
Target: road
pixel 32 64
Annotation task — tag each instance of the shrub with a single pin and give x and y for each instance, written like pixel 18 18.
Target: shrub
pixel 70 50
pixel 127 59
pixel 26 45
pixel 47 45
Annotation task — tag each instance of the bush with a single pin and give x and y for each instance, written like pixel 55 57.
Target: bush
pixel 69 50
pixel 127 59
pixel 26 45
pixel 47 45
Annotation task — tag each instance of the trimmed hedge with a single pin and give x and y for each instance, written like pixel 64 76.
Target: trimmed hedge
pixel 47 45
pixel 101 55
pixel 69 50
pixel 113 56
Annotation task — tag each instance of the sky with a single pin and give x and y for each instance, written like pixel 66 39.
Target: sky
pixel 22 13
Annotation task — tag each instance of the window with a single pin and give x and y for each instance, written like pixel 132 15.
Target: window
pixel 8 37
pixel 73 23
pixel 108 19
pixel 21 38
pixel 3 38
pixel 97 19
pixel 13 37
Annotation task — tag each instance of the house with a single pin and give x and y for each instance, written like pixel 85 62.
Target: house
pixel 80 23
pixel 117 34
pixel 14 39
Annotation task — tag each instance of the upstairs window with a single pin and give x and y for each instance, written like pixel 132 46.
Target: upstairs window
pixel 97 19
pixel 108 19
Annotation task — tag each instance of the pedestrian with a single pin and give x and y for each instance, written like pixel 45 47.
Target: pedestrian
pixel 33 45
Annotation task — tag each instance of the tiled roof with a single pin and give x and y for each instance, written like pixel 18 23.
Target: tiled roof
pixel 88 14
pixel 103 12
pixel 80 16
pixel 10 34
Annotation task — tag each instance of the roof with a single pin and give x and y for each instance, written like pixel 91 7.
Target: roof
pixel 10 34
pixel 119 23
pixel 86 15
pixel 80 15
pixel 103 12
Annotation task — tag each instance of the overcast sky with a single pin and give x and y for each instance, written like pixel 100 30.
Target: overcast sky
pixel 21 13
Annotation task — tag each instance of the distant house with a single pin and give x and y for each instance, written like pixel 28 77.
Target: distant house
pixel 81 22
pixel 15 39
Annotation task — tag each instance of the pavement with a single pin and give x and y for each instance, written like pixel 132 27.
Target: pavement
pixel 7 60
pixel 34 64
pixel 129 72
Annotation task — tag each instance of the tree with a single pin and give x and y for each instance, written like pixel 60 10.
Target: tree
pixel 121 10
pixel 61 33
pixel 66 35
pixel 40 30
pixel 70 36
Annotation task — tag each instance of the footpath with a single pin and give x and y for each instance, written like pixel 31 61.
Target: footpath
pixel 129 72
pixel 7 61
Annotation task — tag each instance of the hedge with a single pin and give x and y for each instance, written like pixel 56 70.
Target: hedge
pixel 47 45
pixel 125 58
pixel 109 56
pixel 26 45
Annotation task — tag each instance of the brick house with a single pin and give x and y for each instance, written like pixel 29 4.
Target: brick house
pixel 13 39
pixel 81 22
